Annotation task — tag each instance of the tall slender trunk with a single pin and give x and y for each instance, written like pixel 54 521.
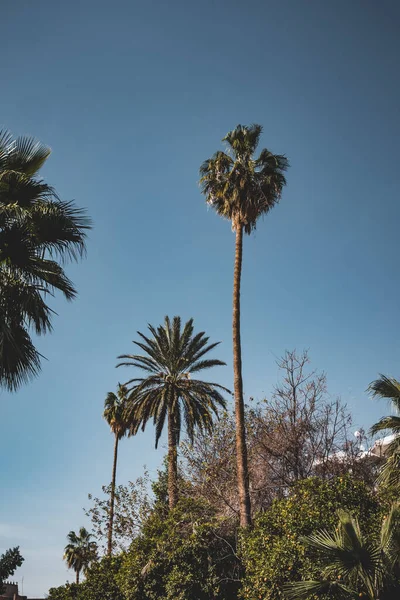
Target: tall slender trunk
pixel 241 448
pixel 77 577
pixel 172 463
pixel 112 498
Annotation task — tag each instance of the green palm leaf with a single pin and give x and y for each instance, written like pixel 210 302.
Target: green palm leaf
pixel 38 231
pixel 389 389
pixel 304 590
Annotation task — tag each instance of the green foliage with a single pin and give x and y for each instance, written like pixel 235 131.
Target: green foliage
pixel 185 554
pixel 132 506
pixel 101 582
pixel 273 553
pixel 69 591
pixel 353 563
pixel 9 562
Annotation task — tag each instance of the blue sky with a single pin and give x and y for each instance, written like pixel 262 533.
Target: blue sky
pixel 132 97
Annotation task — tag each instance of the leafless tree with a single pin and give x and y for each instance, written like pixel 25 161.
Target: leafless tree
pixel 300 431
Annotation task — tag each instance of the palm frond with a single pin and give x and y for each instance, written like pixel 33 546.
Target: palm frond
pixel 391 422
pixel 19 359
pixel 303 590
pixel 386 388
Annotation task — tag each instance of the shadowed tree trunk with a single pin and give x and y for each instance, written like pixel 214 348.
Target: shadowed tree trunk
pixel 77 577
pixel 112 498
pixel 172 464
pixel 241 449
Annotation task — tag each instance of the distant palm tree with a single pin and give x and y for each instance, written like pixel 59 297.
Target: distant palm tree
pixel 354 565
pixel 389 389
pixel 242 188
pixel 38 232
pixel 171 357
pixel 114 414
pixel 80 552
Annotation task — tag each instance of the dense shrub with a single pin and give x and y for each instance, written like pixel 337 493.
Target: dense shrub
pixel 69 591
pixel 187 554
pixel 272 552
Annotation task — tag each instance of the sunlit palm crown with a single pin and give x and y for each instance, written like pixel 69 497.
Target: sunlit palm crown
pixel 80 551
pixel 114 410
pixel 37 231
pixel 240 186
pixel 389 389
pixel 171 357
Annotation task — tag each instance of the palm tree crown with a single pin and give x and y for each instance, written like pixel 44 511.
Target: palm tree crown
pixel 38 231
pixel 171 357
pixel 80 551
pixel 389 389
pixel 240 186
pixel 114 411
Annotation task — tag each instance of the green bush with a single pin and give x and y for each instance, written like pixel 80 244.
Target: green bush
pixel 69 591
pixel 187 554
pixel 272 552
pixel 100 582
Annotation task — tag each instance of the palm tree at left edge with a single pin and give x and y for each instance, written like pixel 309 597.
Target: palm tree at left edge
pixel 114 407
pixel 38 234
pixel 171 356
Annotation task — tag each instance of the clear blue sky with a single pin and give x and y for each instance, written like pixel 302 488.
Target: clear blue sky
pixel 132 97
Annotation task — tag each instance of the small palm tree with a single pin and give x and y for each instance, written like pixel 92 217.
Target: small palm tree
pixel 38 232
pixel 242 188
pixel 354 565
pixel 389 389
pixel 171 357
pixel 80 552
pixel 114 414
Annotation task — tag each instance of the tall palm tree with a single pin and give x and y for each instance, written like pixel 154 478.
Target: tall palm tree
pixel 38 233
pixel 355 566
pixel 168 392
pixel 389 389
pixel 114 414
pixel 242 188
pixel 80 552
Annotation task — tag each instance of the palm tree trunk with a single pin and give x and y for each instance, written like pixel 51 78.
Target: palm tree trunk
pixel 77 577
pixel 172 464
pixel 241 448
pixel 112 498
